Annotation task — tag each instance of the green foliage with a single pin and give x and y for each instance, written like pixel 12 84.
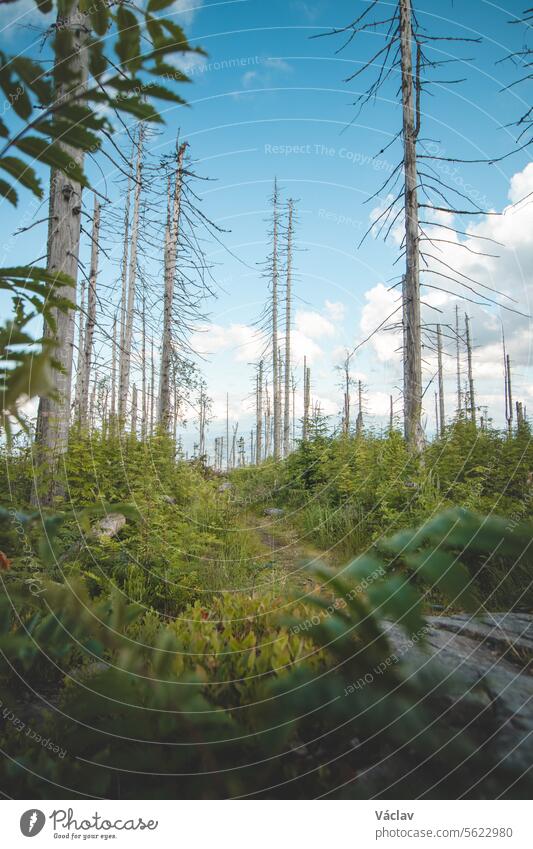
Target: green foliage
pixel 229 700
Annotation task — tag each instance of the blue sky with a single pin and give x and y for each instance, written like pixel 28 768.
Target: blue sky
pixel 270 101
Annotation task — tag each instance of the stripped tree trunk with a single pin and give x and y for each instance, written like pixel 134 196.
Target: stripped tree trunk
pixel 227 431
pixel 144 400
pixel 152 391
pixel 458 360
pixel 259 415
pixel 268 422
pixel 91 319
pixel 307 400
pixel 114 371
pixel 470 372
pixel 442 420
pixel 124 283
pixel 62 257
pixel 412 353
pixel 347 400
pixel 82 313
pixel 288 305
pixel 359 420
pixel 125 353
pixel 171 239
pixel 134 410
pixel 275 350
pixel 391 415
pixel 509 397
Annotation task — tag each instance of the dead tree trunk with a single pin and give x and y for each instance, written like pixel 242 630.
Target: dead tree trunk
pixel 62 258
pixel 359 421
pixel 347 399
pixel 458 360
pixel 125 353
pixel 412 353
pixel 442 420
pixel 170 275
pixel 114 372
pixel 268 422
pixel 307 400
pixel 124 289
pixel 91 318
pixel 82 313
pixel 509 397
pixel 134 410
pixel 470 372
pixel 275 350
pixel 288 305
pixel 391 416
pixel 259 415
pixel 152 389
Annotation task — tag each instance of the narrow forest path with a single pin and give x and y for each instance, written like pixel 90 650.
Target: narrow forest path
pixel 284 548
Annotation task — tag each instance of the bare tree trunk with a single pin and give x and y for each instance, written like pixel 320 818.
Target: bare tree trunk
pixel 359 420
pixel 268 422
pixel 170 275
pixel 288 306
pixel 62 257
pixel 134 410
pixel 293 411
pixel 82 313
pixel 391 416
pixel 347 400
pixel 227 431
pixel 509 397
pixel 412 353
pixel 458 360
pixel 152 392
pixel 470 372
pixel 124 282
pixel 114 371
pixel 275 350
pixel 91 318
pixel 442 420
pixel 125 353
pixel 259 416
pixel 307 400
pixel 144 400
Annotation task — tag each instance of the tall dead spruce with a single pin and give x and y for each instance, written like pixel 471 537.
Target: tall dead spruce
pixel 408 55
pixel 171 249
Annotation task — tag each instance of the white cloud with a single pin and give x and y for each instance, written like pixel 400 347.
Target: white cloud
pixel 278 64
pixel 335 310
pixel 240 339
pixel 313 324
pixel 187 10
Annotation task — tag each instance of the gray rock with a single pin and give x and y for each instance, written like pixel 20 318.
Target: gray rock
pixel 274 511
pixel 224 487
pixel 109 526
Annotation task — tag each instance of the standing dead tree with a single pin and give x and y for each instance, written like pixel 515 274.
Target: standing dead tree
pixel 259 415
pixel 275 348
pixel 288 306
pixel 359 423
pixel 408 55
pixel 471 395
pixel 441 417
pixel 64 228
pixel 129 303
pixel 171 248
pixel 84 366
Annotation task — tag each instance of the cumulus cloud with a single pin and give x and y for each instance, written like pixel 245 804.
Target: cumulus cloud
pixel 313 324
pixel 335 310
